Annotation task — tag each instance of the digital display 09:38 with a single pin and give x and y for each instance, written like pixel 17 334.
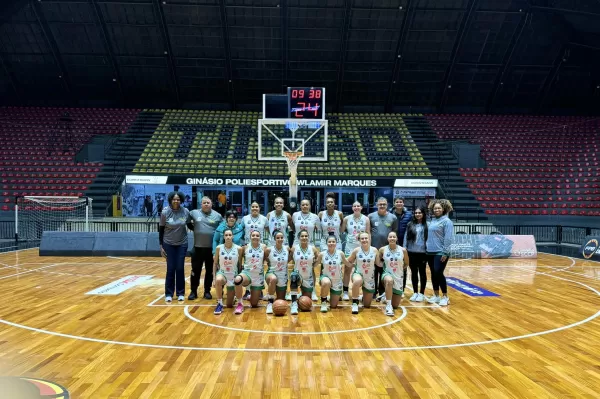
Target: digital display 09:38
pixel 306 102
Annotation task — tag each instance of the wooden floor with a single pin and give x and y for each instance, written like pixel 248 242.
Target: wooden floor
pixel 540 338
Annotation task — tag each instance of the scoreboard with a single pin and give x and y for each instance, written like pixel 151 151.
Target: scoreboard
pixel 306 102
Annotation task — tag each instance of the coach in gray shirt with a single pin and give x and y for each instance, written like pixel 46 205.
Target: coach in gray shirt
pixel 382 222
pixel 204 223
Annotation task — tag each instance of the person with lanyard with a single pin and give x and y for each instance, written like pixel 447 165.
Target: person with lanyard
pixel 353 225
pixel 277 274
pixel 173 240
pixel 228 258
pixel 363 258
pixel 253 272
pixel 414 242
pixel 382 222
pixel 279 220
pixel 332 263
pixel 204 222
pixel 394 260
pixel 305 256
pixel 304 220
pixel 253 222
pixel 230 223
pixel 439 240
pixel 404 216
pixel 330 223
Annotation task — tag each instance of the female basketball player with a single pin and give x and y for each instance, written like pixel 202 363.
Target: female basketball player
pixel 253 272
pixel 332 263
pixel 439 239
pixel 307 221
pixel 230 223
pixel 330 223
pixel 253 222
pixel 414 242
pixel 226 266
pixel 279 220
pixel 353 225
pixel 363 259
pixel 305 257
pixel 394 260
pixel 277 274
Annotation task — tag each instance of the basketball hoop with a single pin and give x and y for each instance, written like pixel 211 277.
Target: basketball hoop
pixel 293 158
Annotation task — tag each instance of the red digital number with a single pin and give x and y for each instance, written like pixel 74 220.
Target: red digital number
pixel 301 107
pixel 311 94
pixel 301 93
pixel 294 93
pixel 317 93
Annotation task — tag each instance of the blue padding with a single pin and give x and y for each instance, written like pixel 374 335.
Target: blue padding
pixel 153 247
pixel 120 244
pixel 67 243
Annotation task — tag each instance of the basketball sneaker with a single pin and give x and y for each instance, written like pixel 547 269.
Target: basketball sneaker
pixel 413 297
pixel 444 301
pixel 246 295
pixel 239 309
pixel 269 308
pixel 314 297
pixel 181 298
pixel 389 310
pixel 219 308
pixel 420 298
pixel 324 307
pixel 288 296
pixel 434 299
pixel 294 308
pixel 354 308
pixel 168 299
pixel 345 296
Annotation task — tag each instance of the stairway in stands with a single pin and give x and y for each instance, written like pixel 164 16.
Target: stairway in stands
pixel 120 160
pixel 444 167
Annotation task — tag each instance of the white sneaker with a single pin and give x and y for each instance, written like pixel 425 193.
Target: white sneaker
pixel 324 307
pixel 434 299
pixel 355 308
pixel 413 297
pixel 345 296
pixel 294 308
pixel 389 310
pixel 314 297
pixel 288 296
pixel 269 308
pixel 360 298
pixel 168 299
pixel 420 298
pixel 444 301
pixel 181 298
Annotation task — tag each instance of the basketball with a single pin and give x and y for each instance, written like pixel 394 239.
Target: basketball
pixel 280 307
pixel 305 304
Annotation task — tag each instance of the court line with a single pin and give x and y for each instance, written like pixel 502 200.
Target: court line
pixel 577 274
pixel 325 350
pixel 135 260
pixel 17 250
pixel 30 271
pixel 186 311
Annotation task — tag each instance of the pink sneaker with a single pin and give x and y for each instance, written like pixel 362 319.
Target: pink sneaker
pixel 239 309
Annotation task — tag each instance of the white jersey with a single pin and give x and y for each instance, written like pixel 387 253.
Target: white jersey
pixel 304 221
pixel 332 267
pixel 393 265
pixel 330 224
pixel 353 228
pixel 303 261
pixel 253 259
pixel 365 266
pixel 228 258
pixel 253 224
pixel 278 260
pixel 278 223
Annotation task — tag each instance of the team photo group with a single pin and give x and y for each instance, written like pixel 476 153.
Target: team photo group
pixel 355 258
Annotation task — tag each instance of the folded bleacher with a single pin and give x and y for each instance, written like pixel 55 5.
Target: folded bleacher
pixel 37 156
pixel 536 165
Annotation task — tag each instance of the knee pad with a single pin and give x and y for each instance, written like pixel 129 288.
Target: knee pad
pixel 294 281
pixel 238 280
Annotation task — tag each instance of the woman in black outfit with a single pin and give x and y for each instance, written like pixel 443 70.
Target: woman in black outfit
pixel 414 242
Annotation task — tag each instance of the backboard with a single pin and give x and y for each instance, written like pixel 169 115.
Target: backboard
pixel 308 136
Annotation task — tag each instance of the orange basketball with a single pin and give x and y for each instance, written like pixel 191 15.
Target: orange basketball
pixel 305 303
pixel 280 307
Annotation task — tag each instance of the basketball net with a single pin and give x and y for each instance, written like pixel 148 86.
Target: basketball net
pixel 293 158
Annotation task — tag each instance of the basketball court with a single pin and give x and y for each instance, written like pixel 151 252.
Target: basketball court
pixel 100 326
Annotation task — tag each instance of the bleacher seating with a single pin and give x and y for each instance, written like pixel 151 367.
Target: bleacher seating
pixel 225 143
pixel 39 145
pixel 544 165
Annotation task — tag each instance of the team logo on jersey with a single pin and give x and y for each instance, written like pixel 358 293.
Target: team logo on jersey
pixel 590 248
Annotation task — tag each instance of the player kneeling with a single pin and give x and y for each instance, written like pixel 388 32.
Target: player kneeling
pixel 253 272
pixel 226 266
pixel 394 260
pixel 363 276
pixel 277 274
pixel 332 263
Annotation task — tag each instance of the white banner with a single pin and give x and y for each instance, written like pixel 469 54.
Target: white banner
pixel 414 192
pixel 140 179
pixel 416 183
pixel 119 286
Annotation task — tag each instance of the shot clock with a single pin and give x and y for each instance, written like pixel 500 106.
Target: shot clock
pixel 306 102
